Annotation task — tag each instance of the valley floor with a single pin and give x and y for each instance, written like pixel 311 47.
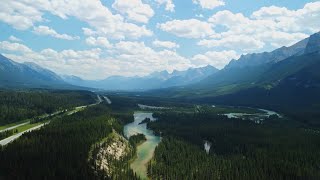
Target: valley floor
pixel 122 137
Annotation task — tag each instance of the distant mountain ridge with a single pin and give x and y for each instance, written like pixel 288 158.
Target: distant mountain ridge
pixel 31 75
pixel 155 80
pixel 249 69
pixel 27 75
pixel 264 70
pixel 275 56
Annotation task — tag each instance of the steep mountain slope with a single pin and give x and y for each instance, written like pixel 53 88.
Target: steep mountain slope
pixel 253 69
pixel 155 80
pixel 295 92
pixel 29 75
pixel 275 56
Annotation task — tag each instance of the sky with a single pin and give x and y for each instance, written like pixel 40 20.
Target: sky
pixel 97 39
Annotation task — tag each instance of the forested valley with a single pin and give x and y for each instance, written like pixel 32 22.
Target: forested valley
pixel 275 149
pixel 78 146
pixel 21 105
pixel 60 149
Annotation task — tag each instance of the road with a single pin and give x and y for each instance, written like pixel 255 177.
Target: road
pixel 14 137
pixel 107 99
pixel 77 109
pixel 28 122
pixel 13 127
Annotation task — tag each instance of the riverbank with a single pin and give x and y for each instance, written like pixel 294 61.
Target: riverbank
pixel 145 150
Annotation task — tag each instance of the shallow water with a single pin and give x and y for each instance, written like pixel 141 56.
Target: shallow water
pixel 145 150
pixel 266 113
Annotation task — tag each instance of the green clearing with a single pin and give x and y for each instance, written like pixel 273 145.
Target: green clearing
pixel 13 124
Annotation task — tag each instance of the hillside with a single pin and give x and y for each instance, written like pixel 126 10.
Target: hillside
pixel 29 75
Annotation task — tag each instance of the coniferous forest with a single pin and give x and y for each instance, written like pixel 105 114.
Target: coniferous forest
pixel 276 149
pixel 20 105
pixel 68 147
pixel 60 149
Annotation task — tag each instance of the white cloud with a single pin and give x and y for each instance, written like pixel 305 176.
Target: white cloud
pixel 217 59
pixel 138 59
pixel 126 58
pixel 279 39
pixel 191 28
pixel 305 19
pixel 22 14
pixel 209 4
pixel 47 31
pixel 99 41
pixel 86 63
pixel 165 44
pixel 19 15
pixel 239 42
pixel 228 19
pixel 168 3
pixel 235 33
pixel 13 38
pixel 16 47
pixel 134 10
pixel 267 27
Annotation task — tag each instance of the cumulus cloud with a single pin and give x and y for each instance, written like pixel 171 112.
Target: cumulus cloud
pixel 99 41
pixel 239 42
pixel 165 44
pixel 191 28
pixel 138 55
pixel 168 3
pixel 118 34
pixel 134 10
pixel 305 19
pixel 217 59
pixel 268 26
pixel 23 14
pixel 17 47
pixel 47 31
pixel 126 58
pixel 19 15
pixel 209 4
pixel 13 38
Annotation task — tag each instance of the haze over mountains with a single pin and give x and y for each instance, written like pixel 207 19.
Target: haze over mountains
pixel 155 80
pixel 31 75
pixel 28 75
pixel 286 80
pixel 267 70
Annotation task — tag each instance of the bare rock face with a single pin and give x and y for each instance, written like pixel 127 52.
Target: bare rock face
pixel 313 43
pixel 110 152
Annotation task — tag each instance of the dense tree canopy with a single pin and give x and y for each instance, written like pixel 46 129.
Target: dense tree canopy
pixel 60 150
pixel 239 149
pixel 21 105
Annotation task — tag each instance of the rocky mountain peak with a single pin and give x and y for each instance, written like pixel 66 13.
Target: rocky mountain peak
pixel 313 43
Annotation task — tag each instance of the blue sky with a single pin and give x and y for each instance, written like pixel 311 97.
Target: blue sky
pixel 96 39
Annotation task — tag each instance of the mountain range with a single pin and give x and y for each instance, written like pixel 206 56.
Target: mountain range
pixel 285 80
pixel 155 80
pixel 31 75
pixel 266 70
pixel 27 75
